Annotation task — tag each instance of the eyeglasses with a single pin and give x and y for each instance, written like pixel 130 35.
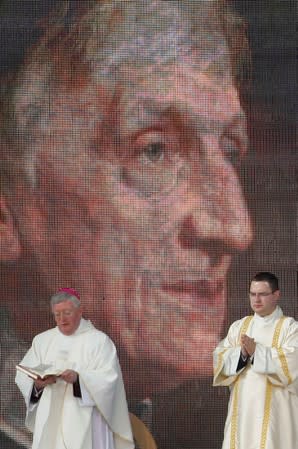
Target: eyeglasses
pixel 65 313
pixel 261 294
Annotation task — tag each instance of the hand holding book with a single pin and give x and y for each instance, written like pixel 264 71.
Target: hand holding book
pixel 39 372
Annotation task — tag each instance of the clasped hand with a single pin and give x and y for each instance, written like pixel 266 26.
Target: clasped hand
pixel 68 376
pixel 248 345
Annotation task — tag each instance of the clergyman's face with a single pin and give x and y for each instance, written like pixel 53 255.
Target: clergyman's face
pixel 137 205
pixel 263 300
pixel 67 317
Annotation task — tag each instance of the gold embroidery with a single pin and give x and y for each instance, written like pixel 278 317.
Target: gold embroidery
pixel 219 364
pixel 266 418
pixel 243 330
pixel 269 386
pixel 244 326
pixel 277 332
pixel 284 365
pixel 282 357
pixel 234 414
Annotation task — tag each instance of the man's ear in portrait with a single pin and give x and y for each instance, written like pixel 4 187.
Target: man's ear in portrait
pixel 10 247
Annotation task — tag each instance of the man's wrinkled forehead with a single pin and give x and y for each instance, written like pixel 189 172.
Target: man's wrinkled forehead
pixel 159 33
pixel 175 93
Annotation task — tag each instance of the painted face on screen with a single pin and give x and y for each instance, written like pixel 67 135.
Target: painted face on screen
pixel 137 205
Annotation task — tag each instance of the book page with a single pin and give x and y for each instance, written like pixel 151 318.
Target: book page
pixel 41 371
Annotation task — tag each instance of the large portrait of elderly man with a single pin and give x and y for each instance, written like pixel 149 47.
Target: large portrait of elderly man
pixel 147 160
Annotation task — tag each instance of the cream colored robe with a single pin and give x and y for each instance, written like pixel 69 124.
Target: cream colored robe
pixel 263 406
pixel 99 420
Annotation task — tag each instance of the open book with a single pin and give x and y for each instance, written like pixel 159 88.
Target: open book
pixel 40 371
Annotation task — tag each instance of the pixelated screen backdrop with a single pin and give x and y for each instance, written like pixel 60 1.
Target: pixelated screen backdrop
pixel 148 160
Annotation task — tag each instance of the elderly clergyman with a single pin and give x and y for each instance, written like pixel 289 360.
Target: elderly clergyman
pixel 84 405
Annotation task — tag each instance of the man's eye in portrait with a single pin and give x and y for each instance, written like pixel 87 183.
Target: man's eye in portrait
pixel 154 148
pixel 153 152
pixel 152 164
pixel 234 144
pixel 231 149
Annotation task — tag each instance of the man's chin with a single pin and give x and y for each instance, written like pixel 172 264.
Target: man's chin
pixel 148 378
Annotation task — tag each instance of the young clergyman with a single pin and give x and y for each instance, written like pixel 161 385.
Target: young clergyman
pixel 258 360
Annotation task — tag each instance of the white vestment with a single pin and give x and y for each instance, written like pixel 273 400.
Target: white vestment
pixel 263 406
pixel 98 420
